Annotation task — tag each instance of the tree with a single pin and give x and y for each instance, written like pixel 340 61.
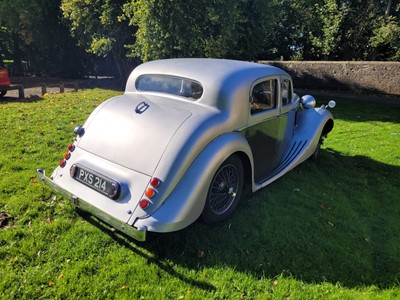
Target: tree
pixel 33 36
pixel 385 40
pixel 99 29
pixel 198 28
pixel 326 37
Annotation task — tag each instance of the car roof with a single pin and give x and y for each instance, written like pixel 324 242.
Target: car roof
pixel 220 78
pixel 202 69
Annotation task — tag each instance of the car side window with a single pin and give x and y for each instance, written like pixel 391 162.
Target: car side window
pixel 263 96
pixel 286 92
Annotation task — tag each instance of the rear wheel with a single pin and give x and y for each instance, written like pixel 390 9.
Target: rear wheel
pixel 2 93
pixel 224 191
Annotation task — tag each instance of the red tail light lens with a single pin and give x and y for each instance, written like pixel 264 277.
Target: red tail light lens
pixel 71 148
pixel 63 163
pixel 144 203
pixel 155 182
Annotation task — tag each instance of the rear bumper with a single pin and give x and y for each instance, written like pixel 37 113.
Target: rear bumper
pixel 133 232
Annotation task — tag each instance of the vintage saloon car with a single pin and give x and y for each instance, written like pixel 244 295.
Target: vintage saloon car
pixel 181 141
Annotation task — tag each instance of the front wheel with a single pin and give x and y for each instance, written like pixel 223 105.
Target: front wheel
pixel 224 191
pixel 3 93
pixel 316 153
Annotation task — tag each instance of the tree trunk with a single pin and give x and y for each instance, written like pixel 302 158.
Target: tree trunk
pixel 17 54
pixel 388 11
pixel 121 66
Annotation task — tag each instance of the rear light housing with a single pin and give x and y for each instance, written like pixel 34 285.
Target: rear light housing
pixel 150 192
pixel 67 155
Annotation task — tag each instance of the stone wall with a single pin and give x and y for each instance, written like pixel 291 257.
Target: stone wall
pixel 364 77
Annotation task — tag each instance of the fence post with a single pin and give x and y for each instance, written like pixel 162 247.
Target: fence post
pixel 44 88
pixel 21 91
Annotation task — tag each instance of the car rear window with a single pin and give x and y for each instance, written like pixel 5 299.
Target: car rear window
pixel 184 87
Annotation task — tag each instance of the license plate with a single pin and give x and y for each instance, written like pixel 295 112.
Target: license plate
pixel 96 181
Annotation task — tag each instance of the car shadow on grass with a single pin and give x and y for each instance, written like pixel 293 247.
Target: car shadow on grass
pixel 136 248
pixel 334 221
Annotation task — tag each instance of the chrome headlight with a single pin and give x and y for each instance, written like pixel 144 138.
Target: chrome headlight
pixel 308 101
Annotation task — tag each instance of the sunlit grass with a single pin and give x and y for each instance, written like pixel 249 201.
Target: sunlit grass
pixel 328 229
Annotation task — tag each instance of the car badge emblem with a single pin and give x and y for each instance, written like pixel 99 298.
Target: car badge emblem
pixel 141 107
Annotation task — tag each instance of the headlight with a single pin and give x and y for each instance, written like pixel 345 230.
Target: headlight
pixel 308 101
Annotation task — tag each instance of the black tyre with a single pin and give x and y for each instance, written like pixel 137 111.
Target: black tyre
pixel 225 191
pixel 315 155
pixel 3 93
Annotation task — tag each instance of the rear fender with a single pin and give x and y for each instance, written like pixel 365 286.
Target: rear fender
pixel 185 204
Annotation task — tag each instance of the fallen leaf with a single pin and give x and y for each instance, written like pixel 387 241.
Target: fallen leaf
pixel 51 284
pixel 124 287
pixel 60 277
pixel 275 282
pixel 34 180
pixel 330 223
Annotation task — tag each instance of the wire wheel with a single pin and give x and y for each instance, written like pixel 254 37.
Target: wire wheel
pixel 225 190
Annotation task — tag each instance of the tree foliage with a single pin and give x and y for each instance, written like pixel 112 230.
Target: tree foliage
pixel 206 28
pixel 253 29
pixel 98 28
pixel 49 35
pixel 33 36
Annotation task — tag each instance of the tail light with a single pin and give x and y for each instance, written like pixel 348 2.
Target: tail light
pixel 150 192
pixel 144 203
pixel 67 155
pixel 63 163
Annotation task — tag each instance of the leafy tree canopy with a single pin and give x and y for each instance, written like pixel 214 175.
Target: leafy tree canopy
pixel 50 34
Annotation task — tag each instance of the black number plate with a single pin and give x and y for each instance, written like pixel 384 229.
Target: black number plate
pixel 96 181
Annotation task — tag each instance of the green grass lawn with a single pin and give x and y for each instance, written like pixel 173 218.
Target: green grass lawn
pixel 329 229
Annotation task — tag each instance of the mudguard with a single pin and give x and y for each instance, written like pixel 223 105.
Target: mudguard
pixel 185 204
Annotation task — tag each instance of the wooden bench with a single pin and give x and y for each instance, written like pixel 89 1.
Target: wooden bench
pixel 43 86
pixel 19 87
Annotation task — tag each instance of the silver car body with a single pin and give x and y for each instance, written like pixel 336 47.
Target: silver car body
pixel 183 141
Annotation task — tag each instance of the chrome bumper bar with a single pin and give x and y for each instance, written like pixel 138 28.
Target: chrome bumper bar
pixel 131 231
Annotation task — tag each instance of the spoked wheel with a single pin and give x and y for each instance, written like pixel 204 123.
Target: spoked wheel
pixel 225 190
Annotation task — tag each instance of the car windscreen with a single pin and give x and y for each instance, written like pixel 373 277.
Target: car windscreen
pixel 184 87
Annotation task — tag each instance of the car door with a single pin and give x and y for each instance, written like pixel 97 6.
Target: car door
pixel 286 115
pixel 263 128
